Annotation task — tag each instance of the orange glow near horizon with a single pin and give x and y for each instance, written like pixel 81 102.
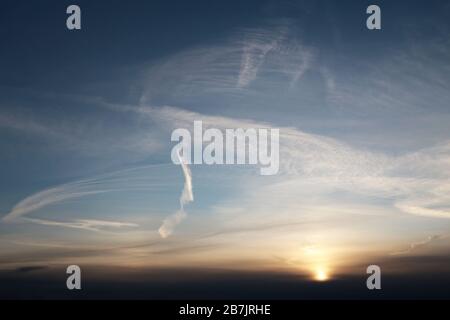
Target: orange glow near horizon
pixel 318 261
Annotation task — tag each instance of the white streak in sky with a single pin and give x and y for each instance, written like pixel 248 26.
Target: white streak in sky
pixel 85 224
pixel 187 196
pixel 124 180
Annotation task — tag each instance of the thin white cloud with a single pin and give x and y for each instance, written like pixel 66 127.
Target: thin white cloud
pixel 255 49
pixel 49 197
pixel 186 197
pixel 420 244
pixel 119 181
pixel 85 224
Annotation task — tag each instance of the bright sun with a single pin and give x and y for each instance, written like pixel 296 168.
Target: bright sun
pixel 317 260
pixel 320 274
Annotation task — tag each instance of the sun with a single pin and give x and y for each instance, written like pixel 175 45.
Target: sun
pixel 319 262
pixel 320 274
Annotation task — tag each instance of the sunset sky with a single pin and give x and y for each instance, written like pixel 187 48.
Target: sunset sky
pixel 86 118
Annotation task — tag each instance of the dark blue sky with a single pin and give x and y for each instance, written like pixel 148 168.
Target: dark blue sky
pixel 40 53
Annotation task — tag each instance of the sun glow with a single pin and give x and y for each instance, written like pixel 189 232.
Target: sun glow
pixel 321 274
pixel 318 261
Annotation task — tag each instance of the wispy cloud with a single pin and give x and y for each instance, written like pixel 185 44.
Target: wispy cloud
pixel 257 45
pixel 119 181
pixel 414 182
pixel 417 245
pixel 411 178
pixel 85 224
pixel 49 197
pixel 187 196
pixel 249 60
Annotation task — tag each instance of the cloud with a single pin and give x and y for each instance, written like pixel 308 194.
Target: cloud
pixel 29 125
pixel 249 61
pixel 118 181
pixel 417 245
pixel 410 179
pixel 254 52
pixel 276 49
pixel 27 269
pixel 85 224
pixel 48 197
pixel 187 196
pixel 421 211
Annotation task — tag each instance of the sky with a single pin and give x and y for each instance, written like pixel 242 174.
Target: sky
pixel 86 118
